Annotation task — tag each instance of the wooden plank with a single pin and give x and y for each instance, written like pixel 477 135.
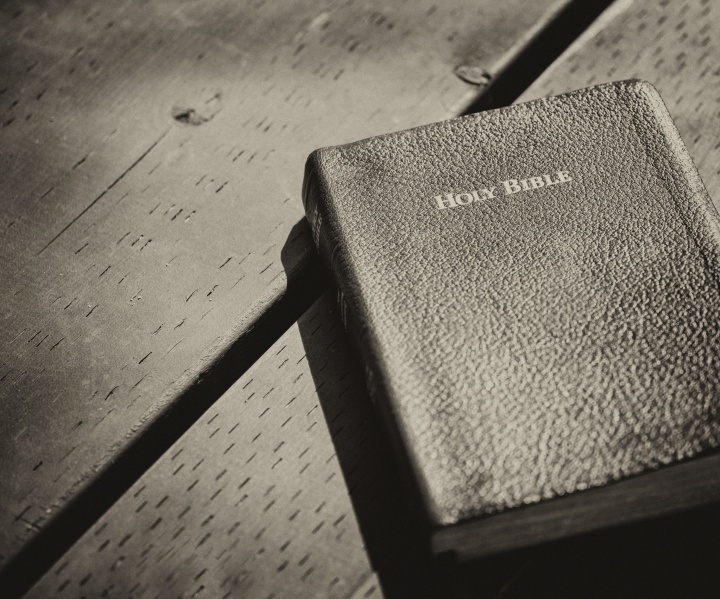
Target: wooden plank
pixel 252 500
pixel 634 39
pixel 151 167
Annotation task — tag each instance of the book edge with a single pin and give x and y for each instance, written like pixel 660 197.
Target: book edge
pixel 670 489
pixel 589 90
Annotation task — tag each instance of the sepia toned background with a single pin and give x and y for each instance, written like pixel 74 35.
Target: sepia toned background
pixel 182 414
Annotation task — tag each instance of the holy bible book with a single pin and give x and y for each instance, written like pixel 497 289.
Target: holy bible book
pixel 534 292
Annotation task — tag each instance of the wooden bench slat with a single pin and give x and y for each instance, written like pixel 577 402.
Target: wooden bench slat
pixel 252 500
pixel 151 168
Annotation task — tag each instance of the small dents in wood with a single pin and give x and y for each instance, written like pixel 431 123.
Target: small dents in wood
pixel 155 524
pixel 188 116
pixel 199 114
pixel 79 162
pixel 102 527
pixel 473 74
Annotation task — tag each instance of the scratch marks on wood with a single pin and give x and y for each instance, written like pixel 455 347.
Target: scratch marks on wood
pixel 105 191
pixel 115 388
pixel 231 496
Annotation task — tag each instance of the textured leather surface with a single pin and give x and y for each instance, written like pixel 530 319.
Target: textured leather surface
pixel 539 343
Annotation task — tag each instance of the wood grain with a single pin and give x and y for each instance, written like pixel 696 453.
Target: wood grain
pixel 668 44
pixel 253 501
pixel 151 164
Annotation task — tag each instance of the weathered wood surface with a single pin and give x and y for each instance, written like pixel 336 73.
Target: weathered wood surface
pixel 152 156
pixel 253 501
pixel 669 44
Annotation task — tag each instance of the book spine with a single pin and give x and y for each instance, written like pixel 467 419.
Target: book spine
pixel 327 235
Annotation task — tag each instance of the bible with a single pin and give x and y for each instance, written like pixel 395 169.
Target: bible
pixel 534 294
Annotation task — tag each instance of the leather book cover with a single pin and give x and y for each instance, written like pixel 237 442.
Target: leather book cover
pixel 535 295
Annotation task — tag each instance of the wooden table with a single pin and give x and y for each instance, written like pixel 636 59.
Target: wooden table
pixel 182 415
